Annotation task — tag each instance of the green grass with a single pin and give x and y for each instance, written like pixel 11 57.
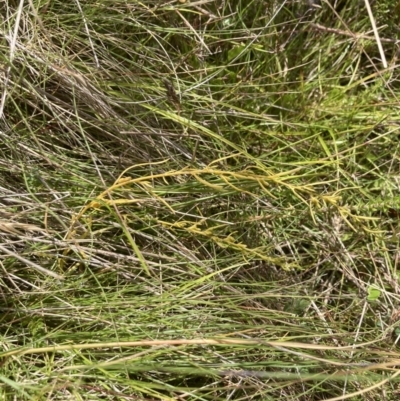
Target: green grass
pixel 199 201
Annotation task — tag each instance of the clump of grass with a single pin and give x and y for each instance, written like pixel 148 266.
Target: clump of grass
pixel 199 201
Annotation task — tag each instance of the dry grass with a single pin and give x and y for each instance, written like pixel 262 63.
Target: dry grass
pixel 199 201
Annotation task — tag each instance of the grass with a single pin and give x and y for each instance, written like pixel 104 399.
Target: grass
pixel 199 201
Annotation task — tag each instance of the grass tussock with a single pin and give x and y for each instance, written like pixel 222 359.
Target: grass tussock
pixel 199 200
